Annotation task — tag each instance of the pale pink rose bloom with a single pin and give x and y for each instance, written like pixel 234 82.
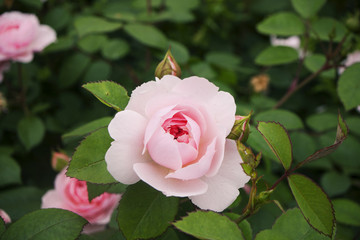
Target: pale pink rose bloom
pixel 172 135
pixel 71 194
pixel 4 66
pixel 293 42
pixel 21 35
pixel 5 216
pixel 351 58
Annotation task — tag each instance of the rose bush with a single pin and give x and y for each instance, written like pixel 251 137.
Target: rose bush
pixel 21 35
pixel 5 216
pixel 71 194
pixel 172 135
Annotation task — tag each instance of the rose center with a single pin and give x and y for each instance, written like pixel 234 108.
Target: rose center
pixel 176 126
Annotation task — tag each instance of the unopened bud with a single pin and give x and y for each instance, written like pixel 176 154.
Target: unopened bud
pixel 59 160
pixel 241 128
pixel 168 66
pixel 5 216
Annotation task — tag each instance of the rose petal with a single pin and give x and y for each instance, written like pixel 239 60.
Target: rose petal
pixel 24 58
pixel 187 152
pixel 196 170
pixel 45 36
pixel 52 199
pixel 218 157
pixel 154 175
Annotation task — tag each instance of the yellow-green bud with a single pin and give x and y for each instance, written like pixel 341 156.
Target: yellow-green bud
pixel 168 66
pixel 241 128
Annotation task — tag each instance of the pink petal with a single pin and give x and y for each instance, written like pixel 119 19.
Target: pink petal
pixel 196 170
pixel 187 152
pixel 52 199
pixel 24 58
pixel 194 129
pixel 154 175
pixel 45 36
pixel 218 157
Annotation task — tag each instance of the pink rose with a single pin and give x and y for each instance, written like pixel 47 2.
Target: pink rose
pixel 172 135
pixel 21 35
pixel 5 216
pixel 71 194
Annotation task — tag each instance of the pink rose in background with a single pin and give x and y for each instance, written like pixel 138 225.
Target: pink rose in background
pixel 71 194
pixel 4 66
pixel 293 42
pixel 351 58
pixel 172 135
pixel 5 216
pixel 21 35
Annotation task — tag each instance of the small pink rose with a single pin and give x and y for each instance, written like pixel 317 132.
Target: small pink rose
pixel 21 35
pixel 172 135
pixel 5 216
pixel 71 194
pixel 59 160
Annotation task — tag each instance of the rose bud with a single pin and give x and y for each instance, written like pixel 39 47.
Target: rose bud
pixel 168 66
pixel 59 160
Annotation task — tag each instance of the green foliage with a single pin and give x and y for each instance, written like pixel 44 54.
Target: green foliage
pixel 92 43
pixel 279 55
pixel 282 24
pixel 328 28
pixel 88 162
pixel 288 119
pixel 147 35
pixel 307 8
pixel 144 212
pixel 46 224
pixel 9 171
pixel 95 190
pixel 115 49
pixel 223 59
pixel 90 24
pixel 209 225
pixel 2 226
pixel 347 211
pixel 278 140
pixel 322 122
pixel 334 183
pixel 314 204
pixel 315 62
pixel 72 69
pixel 349 87
pixel 31 131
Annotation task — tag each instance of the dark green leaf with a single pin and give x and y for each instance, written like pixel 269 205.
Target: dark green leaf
pixel 307 8
pixel 57 18
pixel 282 24
pixel 223 59
pixel 91 24
pixel 95 190
pixel 203 69
pixel 354 124
pixel 288 119
pixel 62 43
pixel 2 226
pixel 88 162
pixel 349 86
pixel 303 145
pixel 315 62
pixel 347 212
pixel 109 93
pixel 335 183
pixel 37 4
pixel 31 131
pixel 322 122
pixel 278 140
pixel 314 204
pixel 209 225
pixel 324 28
pixel 244 225
pixel 9 171
pixel 276 56
pixel 46 224
pixel 92 43
pixel 98 70
pixel 145 212
pixel 180 52
pixel 115 49
pixel 72 69
pixel 147 35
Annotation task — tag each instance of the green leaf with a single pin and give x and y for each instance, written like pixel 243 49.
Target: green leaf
pixel 61 44
pixel 144 212
pixel 88 162
pixel 276 56
pixel 57 18
pixel 9 171
pixel 46 224
pixel 314 62
pixel 37 4
pixel 109 93
pixel 91 24
pixel 98 70
pixel 278 140
pixel 347 212
pixel 87 128
pixel 324 28
pixel 288 119
pixel 349 86
pixel 223 59
pixel 314 204
pixel 291 225
pixel 244 225
pixel 209 225
pixel 95 190
pixel 335 183
pixel 147 35
pixel 31 131
pixel 180 52
pixel 2 226
pixel 92 43
pixel 307 8
pixel 303 145
pixel 257 142
pixel 203 69
pixel 115 49
pixel 354 124
pixel 322 122
pixel 282 24
pixel 72 68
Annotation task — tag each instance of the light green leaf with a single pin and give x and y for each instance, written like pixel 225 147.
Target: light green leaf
pixel 307 8
pixel 148 35
pixel 31 131
pixel 291 225
pixel 349 86
pixel 88 162
pixel 282 24
pixel 335 183
pixel 347 212
pixel 278 140
pixel 180 52
pixel 144 212
pixel 95 190
pixel 322 121
pixel 72 68
pixel 9 171
pixel 223 59
pixel 288 119
pixel 244 225
pixel 209 225
pixel 91 24
pixel 46 224
pixel 203 69
pixel 354 124
pixel 277 56
pixel 325 27
pixel 314 204
pixel 314 62
pixel 110 93
pixel 92 43
pixel 259 144
pixel 98 70
pixel 115 49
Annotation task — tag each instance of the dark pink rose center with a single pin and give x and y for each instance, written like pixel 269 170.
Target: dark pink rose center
pixel 176 126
